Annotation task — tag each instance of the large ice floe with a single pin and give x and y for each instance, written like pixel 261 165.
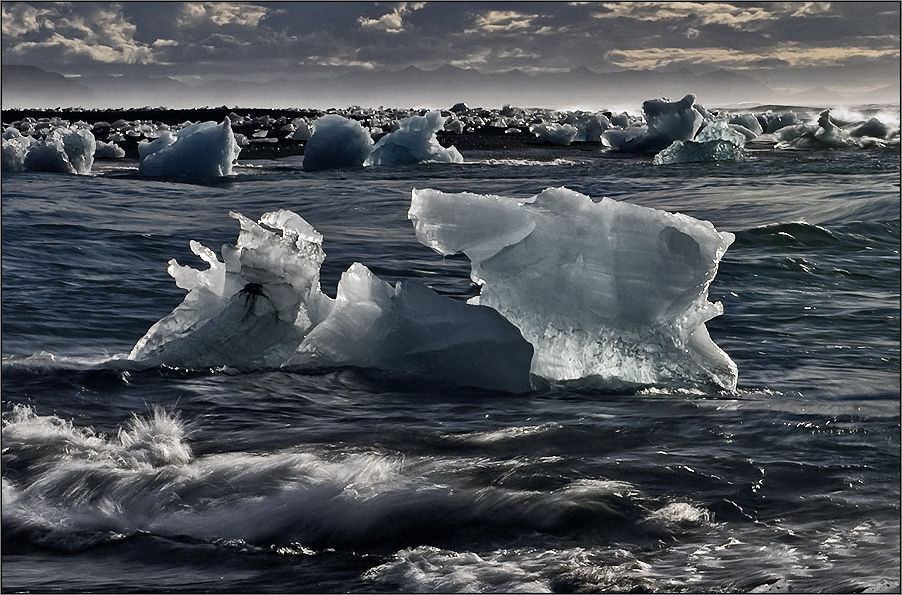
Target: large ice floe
pixel 602 289
pixel 64 150
pixel 202 150
pixel 414 141
pixel 262 307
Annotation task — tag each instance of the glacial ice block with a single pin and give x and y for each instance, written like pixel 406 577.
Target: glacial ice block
pixel 414 141
pixel 411 329
pixel 262 307
pixel 603 289
pixel 717 141
pixel 15 148
pixel 202 150
pixel 250 311
pixel 64 150
pixel 665 122
pixel 337 142
pixel 555 133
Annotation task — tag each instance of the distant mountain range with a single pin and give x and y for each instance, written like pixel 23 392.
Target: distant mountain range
pixel 579 88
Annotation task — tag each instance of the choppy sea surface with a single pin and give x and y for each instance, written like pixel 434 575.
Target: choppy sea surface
pixel 345 480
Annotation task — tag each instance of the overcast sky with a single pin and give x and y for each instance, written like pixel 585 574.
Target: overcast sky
pixel 263 38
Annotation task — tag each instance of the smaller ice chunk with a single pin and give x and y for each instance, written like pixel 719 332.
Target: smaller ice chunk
pixel 556 134
pixel 414 141
pixel 65 150
pixel 674 121
pixel 717 141
pixel 108 150
pixel 15 148
pixel 202 150
pixel 591 127
pixel 749 122
pixel 411 329
pixel 303 130
pixel 337 142
pixel 832 135
pixel 665 123
pixel 773 122
pixel 826 134
pixel 873 128
pixel 250 310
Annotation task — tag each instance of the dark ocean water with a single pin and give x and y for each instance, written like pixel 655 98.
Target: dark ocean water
pixel 129 480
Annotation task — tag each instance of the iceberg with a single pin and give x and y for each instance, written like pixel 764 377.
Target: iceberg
pixel 556 134
pixel 717 141
pixel 590 127
pixel 108 150
pixel 411 329
pixel 15 148
pixel 202 150
pixel 414 141
pixel 337 142
pixel 665 122
pixel 64 150
pixel 602 289
pixel 748 122
pixel 262 307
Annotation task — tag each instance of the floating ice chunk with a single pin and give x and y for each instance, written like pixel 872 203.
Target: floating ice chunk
pixel 454 126
pixel 674 121
pixel 873 128
pixel 832 135
pixel 590 126
pixel 823 135
pixel 65 150
pixel 108 150
pixel 414 141
pixel 303 130
pixel 601 289
pixel 15 148
pixel 632 139
pixel 772 122
pixel 247 312
pixel 202 150
pixel 717 141
pixel 337 142
pixel 411 329
pixel 556 134
pixel 665 123
pixel 749 122
pixel 262 306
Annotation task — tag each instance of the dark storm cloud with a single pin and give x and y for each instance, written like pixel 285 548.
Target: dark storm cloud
pixel 222 38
